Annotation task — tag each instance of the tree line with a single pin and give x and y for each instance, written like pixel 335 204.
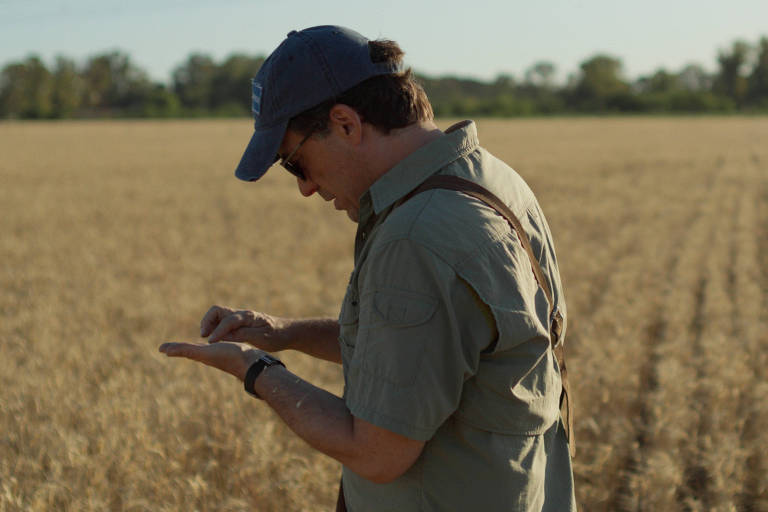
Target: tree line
pixel 111 85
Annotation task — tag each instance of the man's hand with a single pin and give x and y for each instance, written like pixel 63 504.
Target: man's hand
pixel 257 329
pixel 233 358
pixel 317 337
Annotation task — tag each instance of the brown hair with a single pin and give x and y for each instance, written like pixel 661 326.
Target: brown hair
pixel 387 102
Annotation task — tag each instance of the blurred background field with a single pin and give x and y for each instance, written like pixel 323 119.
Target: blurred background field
pixel 118 235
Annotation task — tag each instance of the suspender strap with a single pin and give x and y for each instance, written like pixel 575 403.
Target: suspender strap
pixel 341 504
pixel 555 329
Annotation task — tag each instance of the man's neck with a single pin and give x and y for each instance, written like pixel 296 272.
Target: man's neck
pixel 388 150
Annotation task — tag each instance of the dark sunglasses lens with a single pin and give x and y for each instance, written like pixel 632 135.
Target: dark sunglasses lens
pixel 294 169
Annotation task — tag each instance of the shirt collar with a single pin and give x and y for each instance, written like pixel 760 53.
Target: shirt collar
pixel 457 141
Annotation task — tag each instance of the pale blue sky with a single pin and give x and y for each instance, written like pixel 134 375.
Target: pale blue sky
pixel 477 38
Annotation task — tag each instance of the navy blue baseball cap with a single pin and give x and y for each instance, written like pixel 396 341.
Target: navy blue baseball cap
pixel 309 67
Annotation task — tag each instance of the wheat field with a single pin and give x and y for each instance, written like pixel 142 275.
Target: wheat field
pixel 117 236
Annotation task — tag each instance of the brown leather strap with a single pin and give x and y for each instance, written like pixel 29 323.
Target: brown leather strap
pixel 341 504
pixel 555 329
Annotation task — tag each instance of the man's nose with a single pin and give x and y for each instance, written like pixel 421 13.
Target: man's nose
pixel 306 187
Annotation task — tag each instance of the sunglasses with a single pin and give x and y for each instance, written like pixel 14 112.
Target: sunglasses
pixel 293 167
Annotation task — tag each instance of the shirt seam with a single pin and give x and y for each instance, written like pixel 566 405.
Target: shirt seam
pixel 408 237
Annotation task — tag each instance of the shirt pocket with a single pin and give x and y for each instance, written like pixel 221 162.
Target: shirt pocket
pixel 397 334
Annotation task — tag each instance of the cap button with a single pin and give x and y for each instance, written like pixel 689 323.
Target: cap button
pixel 291 33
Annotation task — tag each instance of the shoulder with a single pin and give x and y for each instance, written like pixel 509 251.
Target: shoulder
pixel 454 225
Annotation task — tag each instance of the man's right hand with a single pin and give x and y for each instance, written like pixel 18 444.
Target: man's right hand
pixel 257 329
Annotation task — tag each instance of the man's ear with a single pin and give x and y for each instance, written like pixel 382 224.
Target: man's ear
pixel 347 122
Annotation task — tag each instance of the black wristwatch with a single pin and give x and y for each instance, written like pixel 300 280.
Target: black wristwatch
pixel 255 370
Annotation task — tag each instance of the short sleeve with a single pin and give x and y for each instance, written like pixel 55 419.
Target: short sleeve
pixel 421 333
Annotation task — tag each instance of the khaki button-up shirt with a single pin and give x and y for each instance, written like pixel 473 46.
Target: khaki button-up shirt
pixel 444 338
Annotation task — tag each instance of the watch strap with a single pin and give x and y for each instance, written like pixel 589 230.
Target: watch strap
pixel 255 370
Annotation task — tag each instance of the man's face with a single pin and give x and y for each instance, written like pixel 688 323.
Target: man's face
pixel 330 169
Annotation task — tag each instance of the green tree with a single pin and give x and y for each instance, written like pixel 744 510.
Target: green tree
pixel 231 86
pixel 694 78
pixel 541 74
pixel 193 82
pixel 68 88
pixel 655 91
pixel 12 95
pixel 601 85
pixel 757 92
pixel 503 84
pixel 159 101
pixel 114 85
pixel 40 88
pixel 97 77
pixel 25 89
pixel 539 94
pixel 661 82
pixel 731 80
pixel 453 96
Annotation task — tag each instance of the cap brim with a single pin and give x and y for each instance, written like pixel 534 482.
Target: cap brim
pixel 260 153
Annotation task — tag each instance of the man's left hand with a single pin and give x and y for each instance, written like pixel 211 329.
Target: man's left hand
pixel 233 358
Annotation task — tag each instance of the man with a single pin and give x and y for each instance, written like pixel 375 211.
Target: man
pixel 452 391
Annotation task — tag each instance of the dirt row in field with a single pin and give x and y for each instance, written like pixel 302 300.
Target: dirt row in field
pixel 671 347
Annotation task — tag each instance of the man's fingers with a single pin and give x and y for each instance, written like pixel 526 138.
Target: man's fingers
pixel 228 325
pixel 225 324
pixel 212 318
pixel 233 358
pixel 187 350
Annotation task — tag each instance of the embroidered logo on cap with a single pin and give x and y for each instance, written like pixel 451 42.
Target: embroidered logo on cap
pixel 256 90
